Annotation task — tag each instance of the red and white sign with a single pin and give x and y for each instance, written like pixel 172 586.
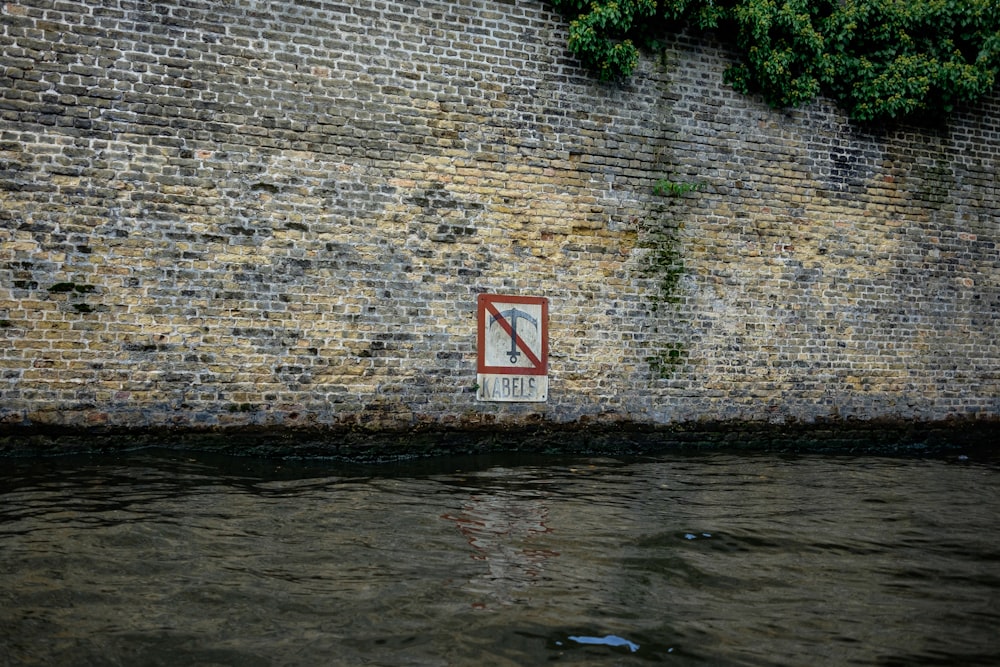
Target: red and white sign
pixel 513 348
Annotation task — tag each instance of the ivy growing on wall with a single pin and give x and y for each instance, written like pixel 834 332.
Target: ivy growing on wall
pixel 879 59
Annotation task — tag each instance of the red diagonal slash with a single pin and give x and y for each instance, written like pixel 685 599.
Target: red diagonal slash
pixel 510 332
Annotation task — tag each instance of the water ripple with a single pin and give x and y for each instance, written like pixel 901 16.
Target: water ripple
pixel 160 558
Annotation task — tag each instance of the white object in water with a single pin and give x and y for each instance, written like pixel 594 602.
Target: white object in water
pixel 607 640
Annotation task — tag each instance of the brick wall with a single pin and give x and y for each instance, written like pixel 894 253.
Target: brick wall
pixel 256 212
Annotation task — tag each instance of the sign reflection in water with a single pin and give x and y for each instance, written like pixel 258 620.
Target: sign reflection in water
pixel 500 524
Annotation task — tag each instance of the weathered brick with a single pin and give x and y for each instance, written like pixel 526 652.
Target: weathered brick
pixel 295 209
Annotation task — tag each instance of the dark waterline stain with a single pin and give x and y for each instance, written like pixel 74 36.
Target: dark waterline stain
pixel 350 445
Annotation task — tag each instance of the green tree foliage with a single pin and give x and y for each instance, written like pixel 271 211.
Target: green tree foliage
pixel 879 59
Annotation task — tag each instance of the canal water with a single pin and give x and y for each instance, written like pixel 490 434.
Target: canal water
pixel 175 558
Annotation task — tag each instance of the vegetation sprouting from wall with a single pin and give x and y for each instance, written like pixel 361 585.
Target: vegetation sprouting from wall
pixel 664 264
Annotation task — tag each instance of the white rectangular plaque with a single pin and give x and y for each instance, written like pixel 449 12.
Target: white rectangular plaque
pixel 513 348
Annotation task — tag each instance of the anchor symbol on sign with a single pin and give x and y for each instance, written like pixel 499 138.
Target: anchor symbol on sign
pixel 512 316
